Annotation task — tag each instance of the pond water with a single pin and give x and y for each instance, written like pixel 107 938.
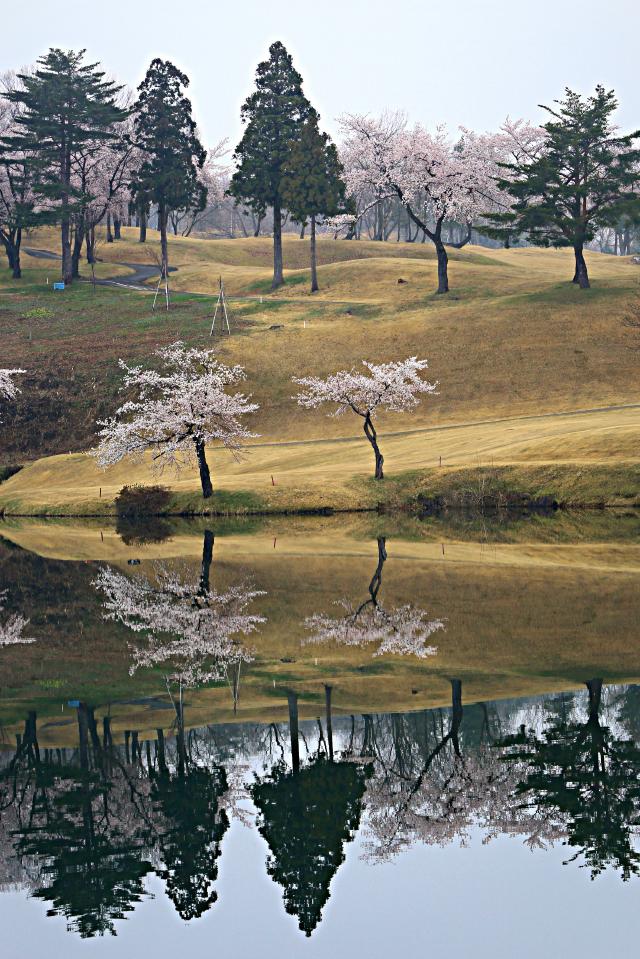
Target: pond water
pixel 321 738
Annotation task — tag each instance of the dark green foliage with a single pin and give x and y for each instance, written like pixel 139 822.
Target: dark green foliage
pixel 66 107
pixel 188 803
pixel 273 116
pixel 586 174
pixel 306 818
pixel 583 775
pixel 313 184
pixel 166 134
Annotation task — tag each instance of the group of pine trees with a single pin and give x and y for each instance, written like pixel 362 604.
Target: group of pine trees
pixel 67 115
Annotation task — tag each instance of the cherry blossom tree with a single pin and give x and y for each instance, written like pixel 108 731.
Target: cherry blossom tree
pixel 178 411
pixel 437 179
pixel 393 386
pixel 403 630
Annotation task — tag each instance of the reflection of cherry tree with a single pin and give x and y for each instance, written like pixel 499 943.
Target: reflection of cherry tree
pixel 402 630
pixel 188 628
pixel 12 628
pixel 428 788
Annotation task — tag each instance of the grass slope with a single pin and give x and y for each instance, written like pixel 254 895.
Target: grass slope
pixel 513 340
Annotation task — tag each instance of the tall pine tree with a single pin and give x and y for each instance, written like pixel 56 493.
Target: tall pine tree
pixel 585 175
pixel 65 105
pixel 165 132
pixel 313 184
pixel 273 114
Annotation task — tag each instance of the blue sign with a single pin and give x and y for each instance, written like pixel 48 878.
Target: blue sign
pixel 58 286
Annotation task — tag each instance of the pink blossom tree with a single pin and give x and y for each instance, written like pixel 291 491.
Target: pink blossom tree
pixel 178 410
pixel 436 178
pixel 392 386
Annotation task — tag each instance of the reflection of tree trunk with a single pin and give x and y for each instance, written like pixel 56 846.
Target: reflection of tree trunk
pixel 83 735
pixel 376 579
pixel 327 697
pixel 594 686
pixel 456 713
pixel 293 729
pixel 162 756
pixel 368 738
pixel 180 741
pixel 207 558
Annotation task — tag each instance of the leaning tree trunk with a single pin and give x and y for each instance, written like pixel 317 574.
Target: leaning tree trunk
pixel 314 260
pixel 581 276
pixel 278 278
pixel 443 263
pixel 372 436
pixel 203 466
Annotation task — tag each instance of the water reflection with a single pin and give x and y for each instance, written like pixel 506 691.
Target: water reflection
pixel 84 827
pixel 402 630
pixel 187 628
pixel 12 626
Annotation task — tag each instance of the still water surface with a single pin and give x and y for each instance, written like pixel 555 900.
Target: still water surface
pixel 321 738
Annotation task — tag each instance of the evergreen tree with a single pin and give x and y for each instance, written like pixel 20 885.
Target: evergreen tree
pixel 166 134
pixel 273 115
pixel 584 175
pixel 313 184
pixel 592 778
pixel 65 106
pixel 188 802
pixel 306 819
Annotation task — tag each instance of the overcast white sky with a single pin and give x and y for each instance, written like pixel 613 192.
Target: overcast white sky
pixel 463 63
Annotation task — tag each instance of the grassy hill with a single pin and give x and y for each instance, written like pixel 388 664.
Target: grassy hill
pixel 513 342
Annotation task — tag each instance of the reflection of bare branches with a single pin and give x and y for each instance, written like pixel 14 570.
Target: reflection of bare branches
pixel 403 630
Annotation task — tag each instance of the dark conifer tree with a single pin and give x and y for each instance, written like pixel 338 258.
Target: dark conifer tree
pixel 65 105
pixel 165 132
pixel 313 184
pixel 273 116
pixel 585 175
pixel 306 819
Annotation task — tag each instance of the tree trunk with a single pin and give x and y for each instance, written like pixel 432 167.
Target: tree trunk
pixel 278 278
pixel 203 466
pixel 372 436
pixel 257 224
pixel 117 224
pixel 78 240
pixel 293 730
pixel 164 250
pixel 302 230
pixel 90 242
pixel 65 242
pixel 443 266
pixel 314 263
pixel 142 222
pixel 109 233
pixel 581 276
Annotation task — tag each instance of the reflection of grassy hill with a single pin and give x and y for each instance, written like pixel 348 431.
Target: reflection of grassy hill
pixel 521 618
pixel 512 339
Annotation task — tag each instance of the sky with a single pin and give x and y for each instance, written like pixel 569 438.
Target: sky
pixel 468 62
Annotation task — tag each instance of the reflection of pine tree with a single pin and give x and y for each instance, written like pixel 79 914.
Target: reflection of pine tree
pixel 94 871
pixel 306 818
pixel 188 802
pixel 593 779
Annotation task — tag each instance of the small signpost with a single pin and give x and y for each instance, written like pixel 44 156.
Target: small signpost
pixel 221 305
pixel 58 285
